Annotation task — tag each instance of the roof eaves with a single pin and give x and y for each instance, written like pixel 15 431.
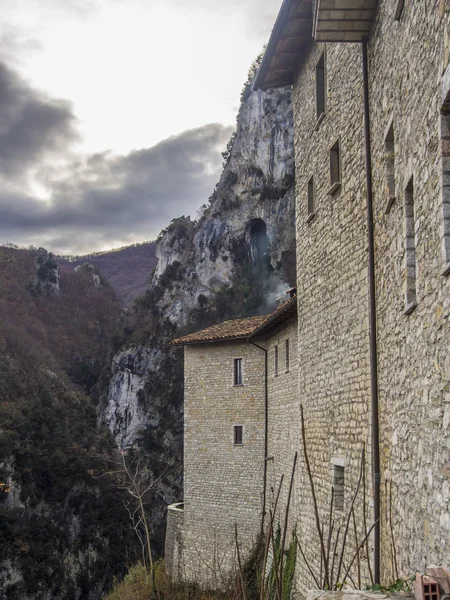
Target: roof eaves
pixel 284 311
pixel 181 342
pixel 280 23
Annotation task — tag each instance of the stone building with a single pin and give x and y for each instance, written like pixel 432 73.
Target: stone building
pixel 229 402
pixel 371 95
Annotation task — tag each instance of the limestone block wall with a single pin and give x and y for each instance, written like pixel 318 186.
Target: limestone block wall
pixel 223 482
pixel 332 289
pixel 283 421
pixel 409 80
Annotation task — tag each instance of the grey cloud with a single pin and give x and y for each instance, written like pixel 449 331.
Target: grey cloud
pixel 99 199
pixel 31 124
pixel 119 198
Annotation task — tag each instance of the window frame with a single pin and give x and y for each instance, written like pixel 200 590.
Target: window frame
pixel 238 378
pixel 335 167
pixel 238 435
pixel 339 486
pixel 287 354
pixel 275 361
pixel 389 160
pixel 311 199
pixel 410 247
pixel 321 89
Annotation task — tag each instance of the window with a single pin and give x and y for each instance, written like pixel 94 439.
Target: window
pixel 410 250
pixel 238 371
pixel 389 157
pixel 311 212
pixel 276 361
pixel 335 167
pixel 445 151
pixel 287 356
pixel 237 435
pixel 338 486
pixel 320 89
pixel 399 10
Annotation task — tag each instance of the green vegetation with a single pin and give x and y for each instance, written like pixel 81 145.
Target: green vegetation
pixel 62 529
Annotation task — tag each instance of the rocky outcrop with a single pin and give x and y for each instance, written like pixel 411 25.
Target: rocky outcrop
pixel 250 217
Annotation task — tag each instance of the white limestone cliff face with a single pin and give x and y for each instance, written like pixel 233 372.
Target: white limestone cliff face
pixel 125 413
pixel 256 183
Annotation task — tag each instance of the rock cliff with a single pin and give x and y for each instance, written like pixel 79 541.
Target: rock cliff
pixel 233 261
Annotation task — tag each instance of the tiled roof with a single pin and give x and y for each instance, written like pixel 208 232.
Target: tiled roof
pixel 240 328
pixel 283 312
pixel 228 330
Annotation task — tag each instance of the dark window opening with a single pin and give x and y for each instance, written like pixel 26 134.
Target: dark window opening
pixel 335 167
pixel 311 207
pixel 276 361
pixel 238 435
pixel 399 10
pixel 389 156
pixel 238 371
pixel 410 249
pixel 287 355
pixel 320 87
pixel 338 486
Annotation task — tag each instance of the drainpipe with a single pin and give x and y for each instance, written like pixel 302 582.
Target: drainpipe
pixel 372 324
pixel 266 432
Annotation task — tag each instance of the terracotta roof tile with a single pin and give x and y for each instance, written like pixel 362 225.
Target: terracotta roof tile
pixel 237 328
pixel 240 328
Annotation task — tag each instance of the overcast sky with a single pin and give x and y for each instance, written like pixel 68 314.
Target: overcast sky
pixel 113 113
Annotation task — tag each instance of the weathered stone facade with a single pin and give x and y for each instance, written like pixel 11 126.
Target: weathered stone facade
pixel 282 418
pixel 407 59
pixel 409 82
pixel 222 480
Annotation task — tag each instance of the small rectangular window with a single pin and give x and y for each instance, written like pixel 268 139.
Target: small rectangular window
pixel 311 207
pixel 287 356
pixel 238 371
pixel 410 250
pixel 338 485
pixel 276 361
pixel 237 436
pixel 399 10
pixel 320 88
pixel 389 156
pixel 335 167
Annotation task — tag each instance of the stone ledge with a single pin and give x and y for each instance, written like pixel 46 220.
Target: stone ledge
pixel 334 188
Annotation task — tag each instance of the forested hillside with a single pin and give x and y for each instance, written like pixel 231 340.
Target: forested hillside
pixel 63 530
pixel 127 269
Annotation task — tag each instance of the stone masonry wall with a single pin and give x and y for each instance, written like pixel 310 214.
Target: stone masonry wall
pixel 223 482
pixel 407 61
pixel 283 421
pixel 332 280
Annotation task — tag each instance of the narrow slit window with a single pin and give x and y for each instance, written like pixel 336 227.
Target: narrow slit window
pixel 338 486
pixel 276 361
pixel 238 371
pixel 399 9
pixel 287 356
pixel 389 157
pixel 445 151
pixel 311 202
pixel 410 249
pixel 320 87
pixel 335 167
pixel 238 435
